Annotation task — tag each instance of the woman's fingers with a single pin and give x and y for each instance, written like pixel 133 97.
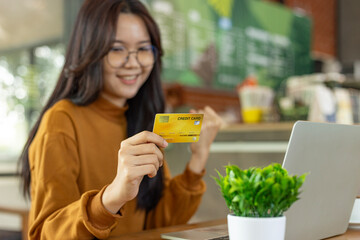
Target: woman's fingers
pixel 146 149
pixel 141 149
pixel 148 169
pixel 145 137
pixel 210 112
pixel 147 160
pixel 211 118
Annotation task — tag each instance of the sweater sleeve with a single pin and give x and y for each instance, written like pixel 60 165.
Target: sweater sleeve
pixel 181 198
pixel 58 210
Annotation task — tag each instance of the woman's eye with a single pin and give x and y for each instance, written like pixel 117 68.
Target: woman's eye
pixel 118 49
pixel 146 49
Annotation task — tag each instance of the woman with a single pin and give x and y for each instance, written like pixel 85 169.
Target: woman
pixel 91 164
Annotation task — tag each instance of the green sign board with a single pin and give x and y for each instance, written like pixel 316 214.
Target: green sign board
pixel 218 43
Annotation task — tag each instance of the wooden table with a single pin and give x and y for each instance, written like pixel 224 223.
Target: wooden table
pixel 352 233
pixel 155 233
pixel 14 203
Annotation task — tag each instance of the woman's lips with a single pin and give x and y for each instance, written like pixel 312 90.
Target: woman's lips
pixel 128 80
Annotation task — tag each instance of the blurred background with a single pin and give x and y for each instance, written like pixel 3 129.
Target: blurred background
pixel 262 64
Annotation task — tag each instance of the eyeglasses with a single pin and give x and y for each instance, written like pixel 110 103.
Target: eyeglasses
pixel 118 56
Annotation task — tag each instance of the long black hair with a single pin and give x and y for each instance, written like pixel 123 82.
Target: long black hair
pixel 81 80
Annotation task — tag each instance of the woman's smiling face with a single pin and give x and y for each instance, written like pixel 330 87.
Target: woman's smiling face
pixel 123 82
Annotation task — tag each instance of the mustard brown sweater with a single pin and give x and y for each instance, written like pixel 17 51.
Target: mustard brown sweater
pixel 73 157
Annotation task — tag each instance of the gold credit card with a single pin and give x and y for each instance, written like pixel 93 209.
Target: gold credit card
pixel 176 128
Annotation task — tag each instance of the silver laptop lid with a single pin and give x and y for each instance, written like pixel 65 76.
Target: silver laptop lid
pixel 330 153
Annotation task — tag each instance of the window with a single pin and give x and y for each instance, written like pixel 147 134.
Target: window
pixel 27 78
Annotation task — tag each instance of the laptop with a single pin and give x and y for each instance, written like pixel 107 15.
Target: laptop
pixel 219 232
pixel 330 154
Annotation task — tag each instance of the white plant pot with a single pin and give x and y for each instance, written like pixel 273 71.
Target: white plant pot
pixel 251 228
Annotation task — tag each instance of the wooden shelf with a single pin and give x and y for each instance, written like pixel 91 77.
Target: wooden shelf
pixel 258 127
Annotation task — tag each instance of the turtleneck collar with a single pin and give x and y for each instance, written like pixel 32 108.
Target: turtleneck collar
pixel 108 110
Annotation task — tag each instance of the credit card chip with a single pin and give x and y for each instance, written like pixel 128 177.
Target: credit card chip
pixel 163 119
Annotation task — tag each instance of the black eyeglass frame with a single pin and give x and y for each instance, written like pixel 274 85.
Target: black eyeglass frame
pixel 154 51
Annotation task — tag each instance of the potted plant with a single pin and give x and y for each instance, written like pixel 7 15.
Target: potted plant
pixel 257 199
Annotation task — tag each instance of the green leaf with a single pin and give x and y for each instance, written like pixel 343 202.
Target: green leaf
pixel 259 192
pixel 276 190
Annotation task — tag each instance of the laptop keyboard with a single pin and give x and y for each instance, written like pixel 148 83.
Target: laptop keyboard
pixel 220 238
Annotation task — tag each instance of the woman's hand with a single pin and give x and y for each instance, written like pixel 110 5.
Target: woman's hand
pixel 200 150
pixel 138 156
